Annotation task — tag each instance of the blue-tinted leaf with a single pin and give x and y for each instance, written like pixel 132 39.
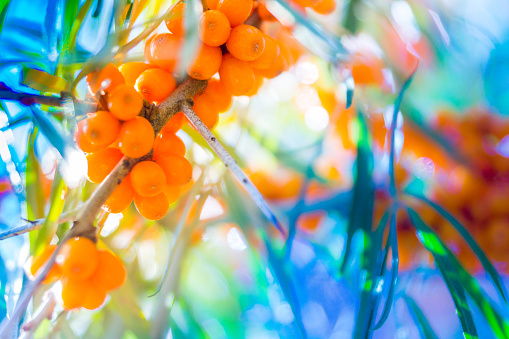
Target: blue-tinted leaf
pixel 392 131
pixel 420 319
pixel 51 129
pixel 444 260
pixel 486 263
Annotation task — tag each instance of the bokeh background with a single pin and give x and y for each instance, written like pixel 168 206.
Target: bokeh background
pixel 214 267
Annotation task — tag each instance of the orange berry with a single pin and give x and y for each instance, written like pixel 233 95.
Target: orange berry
pixel 124 102
pixel 174 124
pixel 207 113
pixel 303 3
pixel 148 178
pixel 214 28
pixel 38 262
pixel 152 208
pixel 237 11
pixel 278 66
pixel 136 137
pixel 147 52
pixel 217 96
pixel 82 141
pixel 269 54
pixel 107 78
pixel 168 143
pixel 256 86
pixel 132 70
pixel 155 84
pixel 212 4
pixel 178 169
pixel 324 6
pixel 95 296
pixel 264 13
pixel 236 75
pixel 206 62
pixel 165 49
pixel 78 258
pixel 175 23
pixel 101 128
pixel 74 293
pixel 110 273
pixel 121 197
pixel 102 162
pixel 246 42
pixel 172 193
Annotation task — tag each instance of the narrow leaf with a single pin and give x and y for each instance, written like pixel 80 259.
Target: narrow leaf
pixel 420 319
pixel 444 260
pixel 486 263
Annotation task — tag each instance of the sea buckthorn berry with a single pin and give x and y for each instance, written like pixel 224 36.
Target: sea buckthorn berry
pixel 217 96
pixel 121 197
pixel 82 141
pixel 155 84
pixel 148 178
pixel 246 42
pixel 147 53
pixel 165 49
pixel 107 78
pixel 207 113
pixel 110 273
pixel 178 169
pixel 124 102
pixel 102 162
pixel 264 14
pixel 212 4
pixel 78 258
pixel 206 62
pixel 236 75
pixel 277 67
pixel 168 143
pixel 74 293
pixel 95 296
pixel 132 70
pixel 152 208
pixel 256 86
pixel 172 193
pixel 136 137
pixel 237 11
pixel 38 262
pixel 323 6
pixel 174 124
pixel 269 54
pixel 101 128
pixel 175 23
pixel 214 28
pixel 303 3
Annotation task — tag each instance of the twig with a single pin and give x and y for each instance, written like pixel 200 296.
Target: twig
pixel 231 164
pixel 35 225
pixel 45 311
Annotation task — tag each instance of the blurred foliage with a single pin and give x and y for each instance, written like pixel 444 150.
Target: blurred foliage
pixel 355 180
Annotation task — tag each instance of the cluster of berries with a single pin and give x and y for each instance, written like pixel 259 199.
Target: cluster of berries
pixel 86 273
pixel 241 54
pixel 109 135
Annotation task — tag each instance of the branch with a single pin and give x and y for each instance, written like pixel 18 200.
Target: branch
pixel 45 311
pixel 35 225
pixel 84 225
pixel 231 164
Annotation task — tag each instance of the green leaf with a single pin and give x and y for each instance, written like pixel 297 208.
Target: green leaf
pixel 420 319
pixel 445 262
pixel 486 263
pixel 361 214
pixel 34 191
pixel 4 6
pixel 77 20
pixel 48 229
pixel 392 131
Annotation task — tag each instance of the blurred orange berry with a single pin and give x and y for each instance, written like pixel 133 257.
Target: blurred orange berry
pixel 102 162
pixel 136 137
